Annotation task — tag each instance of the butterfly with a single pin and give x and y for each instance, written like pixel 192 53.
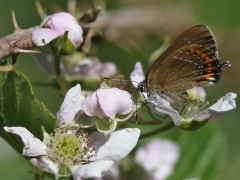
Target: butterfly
pixel 191 60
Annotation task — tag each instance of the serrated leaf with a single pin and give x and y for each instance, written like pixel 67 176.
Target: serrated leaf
pixel 19 107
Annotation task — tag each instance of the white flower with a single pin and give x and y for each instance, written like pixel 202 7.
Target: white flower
pixel 158 157
pixel 72 151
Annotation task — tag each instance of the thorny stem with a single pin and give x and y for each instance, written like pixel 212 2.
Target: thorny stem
pixel 59 76
pixel 157 131
pixel 15 21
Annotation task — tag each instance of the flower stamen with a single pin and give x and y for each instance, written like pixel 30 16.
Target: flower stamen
pixel 69 149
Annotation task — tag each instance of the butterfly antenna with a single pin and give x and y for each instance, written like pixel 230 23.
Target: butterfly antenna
pixel 227 63
pixel 114 79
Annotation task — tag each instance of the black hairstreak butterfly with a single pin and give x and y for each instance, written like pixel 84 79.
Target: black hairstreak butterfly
pixel 191 60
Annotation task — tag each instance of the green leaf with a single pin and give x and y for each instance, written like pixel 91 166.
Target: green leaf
pixel 19 107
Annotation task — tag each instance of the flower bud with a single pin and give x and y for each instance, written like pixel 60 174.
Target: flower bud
pixel 62 30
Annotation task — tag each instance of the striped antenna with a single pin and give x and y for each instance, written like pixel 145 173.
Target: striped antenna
pixel 113 79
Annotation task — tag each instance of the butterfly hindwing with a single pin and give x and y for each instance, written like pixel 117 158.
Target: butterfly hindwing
pixel 191 60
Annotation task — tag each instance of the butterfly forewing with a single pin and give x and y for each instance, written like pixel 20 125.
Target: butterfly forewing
pixel 199 34
pixel 191 60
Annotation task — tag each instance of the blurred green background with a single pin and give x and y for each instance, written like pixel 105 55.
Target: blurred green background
pixel 136 42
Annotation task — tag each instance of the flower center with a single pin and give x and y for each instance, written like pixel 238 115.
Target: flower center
pixel 195 105
pixel 69 148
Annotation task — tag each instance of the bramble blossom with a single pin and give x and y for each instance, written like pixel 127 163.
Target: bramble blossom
pixel 70 150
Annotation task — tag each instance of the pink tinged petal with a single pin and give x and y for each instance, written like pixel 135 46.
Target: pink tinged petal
pixel 71 106
pixel 222 106
pixel 91 106
pixel 108 69
pixel 114 101
pixel 42 36
pixel 91 170
pixel 107 102
pixel 62 22
pixel 32 145
pixel 45 164
pixel 201 92
pixel 118 145
pixel 137 75
pixel 158 157
pixel 163 107
pixel 198 91
pixel 103 69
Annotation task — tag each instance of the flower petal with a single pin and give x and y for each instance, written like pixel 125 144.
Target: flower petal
pixel 42 36
pixel 197 93
pixel 90 68
pixel 91 106
pixel 200 91
pixel 71 106
pixel 222 106
pixel 103 69
pixel 32 145
pixel 160 163
pixel 161 106
pixel 91 170
pixel 137 75
pixel 107 102
pixel 62 22
pixel 114 101
pixel 45 164
pixel 107 69
pixel 117 146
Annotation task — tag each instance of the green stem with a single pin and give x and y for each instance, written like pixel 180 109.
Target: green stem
pixel 59 76
pixel 157 131
pixel 36 174
pixel 146 123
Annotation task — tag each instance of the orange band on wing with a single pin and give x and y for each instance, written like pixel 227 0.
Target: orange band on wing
pixel 209 76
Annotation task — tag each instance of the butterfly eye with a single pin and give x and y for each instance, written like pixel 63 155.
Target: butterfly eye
pixel 140 88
